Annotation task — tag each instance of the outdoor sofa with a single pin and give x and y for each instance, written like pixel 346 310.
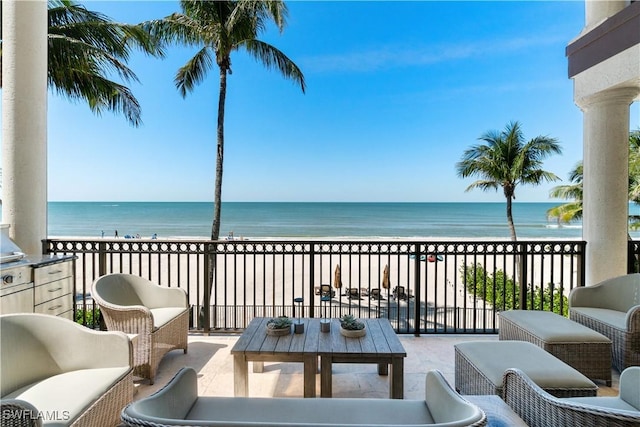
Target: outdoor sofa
pixel 178 404
pixel 55 372
pixel 540 409
pixel 156 317
pixel 612 308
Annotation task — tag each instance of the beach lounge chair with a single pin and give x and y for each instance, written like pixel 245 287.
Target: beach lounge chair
pixel 326 291
pixel 376 294
pixel 364 292
pixel 353 293
pixel 400 293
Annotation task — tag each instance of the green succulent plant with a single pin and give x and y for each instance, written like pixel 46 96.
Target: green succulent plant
pixel 280 322
pixel 350 323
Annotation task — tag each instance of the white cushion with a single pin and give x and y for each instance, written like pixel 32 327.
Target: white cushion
pixel 63 397
pixel 617 319
pixel 162 316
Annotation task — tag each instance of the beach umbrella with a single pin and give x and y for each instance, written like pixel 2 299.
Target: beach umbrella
pixel 337 282
pixel 385 277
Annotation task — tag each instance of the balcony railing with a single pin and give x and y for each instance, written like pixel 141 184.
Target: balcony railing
pixel 448 286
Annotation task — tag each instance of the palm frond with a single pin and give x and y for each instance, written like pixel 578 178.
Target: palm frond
pixel 85 47
pixel 566 213
pixel 194 71
pixel 272 57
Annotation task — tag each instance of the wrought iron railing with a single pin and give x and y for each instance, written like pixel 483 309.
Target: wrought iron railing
pixel 432 287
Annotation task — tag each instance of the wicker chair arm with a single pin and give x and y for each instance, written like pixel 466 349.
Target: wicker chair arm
pixel 18 413
pixel 131 319
pixel 540 409
pixel 633 320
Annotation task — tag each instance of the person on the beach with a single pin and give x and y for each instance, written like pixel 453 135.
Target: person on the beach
pixel 116 234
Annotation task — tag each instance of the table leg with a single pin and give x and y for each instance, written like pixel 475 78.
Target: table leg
pixel 240 375
pixel 396 380
pixel 310 369
pixel 325 376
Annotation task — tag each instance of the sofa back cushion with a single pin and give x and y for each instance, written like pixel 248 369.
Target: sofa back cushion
pixel 24 356
pixel 622 293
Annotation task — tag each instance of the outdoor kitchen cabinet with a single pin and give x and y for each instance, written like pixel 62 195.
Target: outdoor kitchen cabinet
pixel 53 289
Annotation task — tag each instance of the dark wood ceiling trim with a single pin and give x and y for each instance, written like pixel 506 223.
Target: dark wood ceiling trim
pixel 618 33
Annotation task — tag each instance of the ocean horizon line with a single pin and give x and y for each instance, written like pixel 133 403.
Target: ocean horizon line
pixel 307 202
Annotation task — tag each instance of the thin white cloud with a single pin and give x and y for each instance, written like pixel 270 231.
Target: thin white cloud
pixel 390 57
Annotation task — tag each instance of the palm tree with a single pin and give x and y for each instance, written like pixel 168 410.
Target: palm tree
pixel 84 47
pixel 506 160
pixel 572 211
pixel 219 28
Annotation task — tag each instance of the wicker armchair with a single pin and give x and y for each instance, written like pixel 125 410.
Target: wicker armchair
pixel 159 317
pixel 54 372
pixel 540 409
pixel 612 308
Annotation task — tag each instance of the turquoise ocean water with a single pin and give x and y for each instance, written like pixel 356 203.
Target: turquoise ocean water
pixel 263 220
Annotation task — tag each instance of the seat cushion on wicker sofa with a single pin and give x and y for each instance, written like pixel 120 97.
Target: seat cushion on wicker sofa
pixel 162 316
pixel 480 367
pixel 617 319
pixel 605 402
pixel 63 397
pixel 627 400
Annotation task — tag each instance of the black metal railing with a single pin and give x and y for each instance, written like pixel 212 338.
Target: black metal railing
pixel 432 287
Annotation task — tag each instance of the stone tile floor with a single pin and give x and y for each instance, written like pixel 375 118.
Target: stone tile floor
pixel 210 356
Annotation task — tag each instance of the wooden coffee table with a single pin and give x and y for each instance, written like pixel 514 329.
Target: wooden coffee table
pixel 380 345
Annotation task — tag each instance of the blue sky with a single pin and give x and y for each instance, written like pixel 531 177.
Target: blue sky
pixel 396 92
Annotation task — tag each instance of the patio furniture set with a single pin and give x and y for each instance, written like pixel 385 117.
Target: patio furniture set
pixel 542 367
pixel 543 364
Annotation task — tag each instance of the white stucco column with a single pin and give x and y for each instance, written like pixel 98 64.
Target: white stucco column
pixel 606 182
pixel 24 122
pixel 598 10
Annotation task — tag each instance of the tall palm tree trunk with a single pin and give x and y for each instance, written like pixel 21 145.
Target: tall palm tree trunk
pixel 519 273
pixel 512 227
pixel 215 227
